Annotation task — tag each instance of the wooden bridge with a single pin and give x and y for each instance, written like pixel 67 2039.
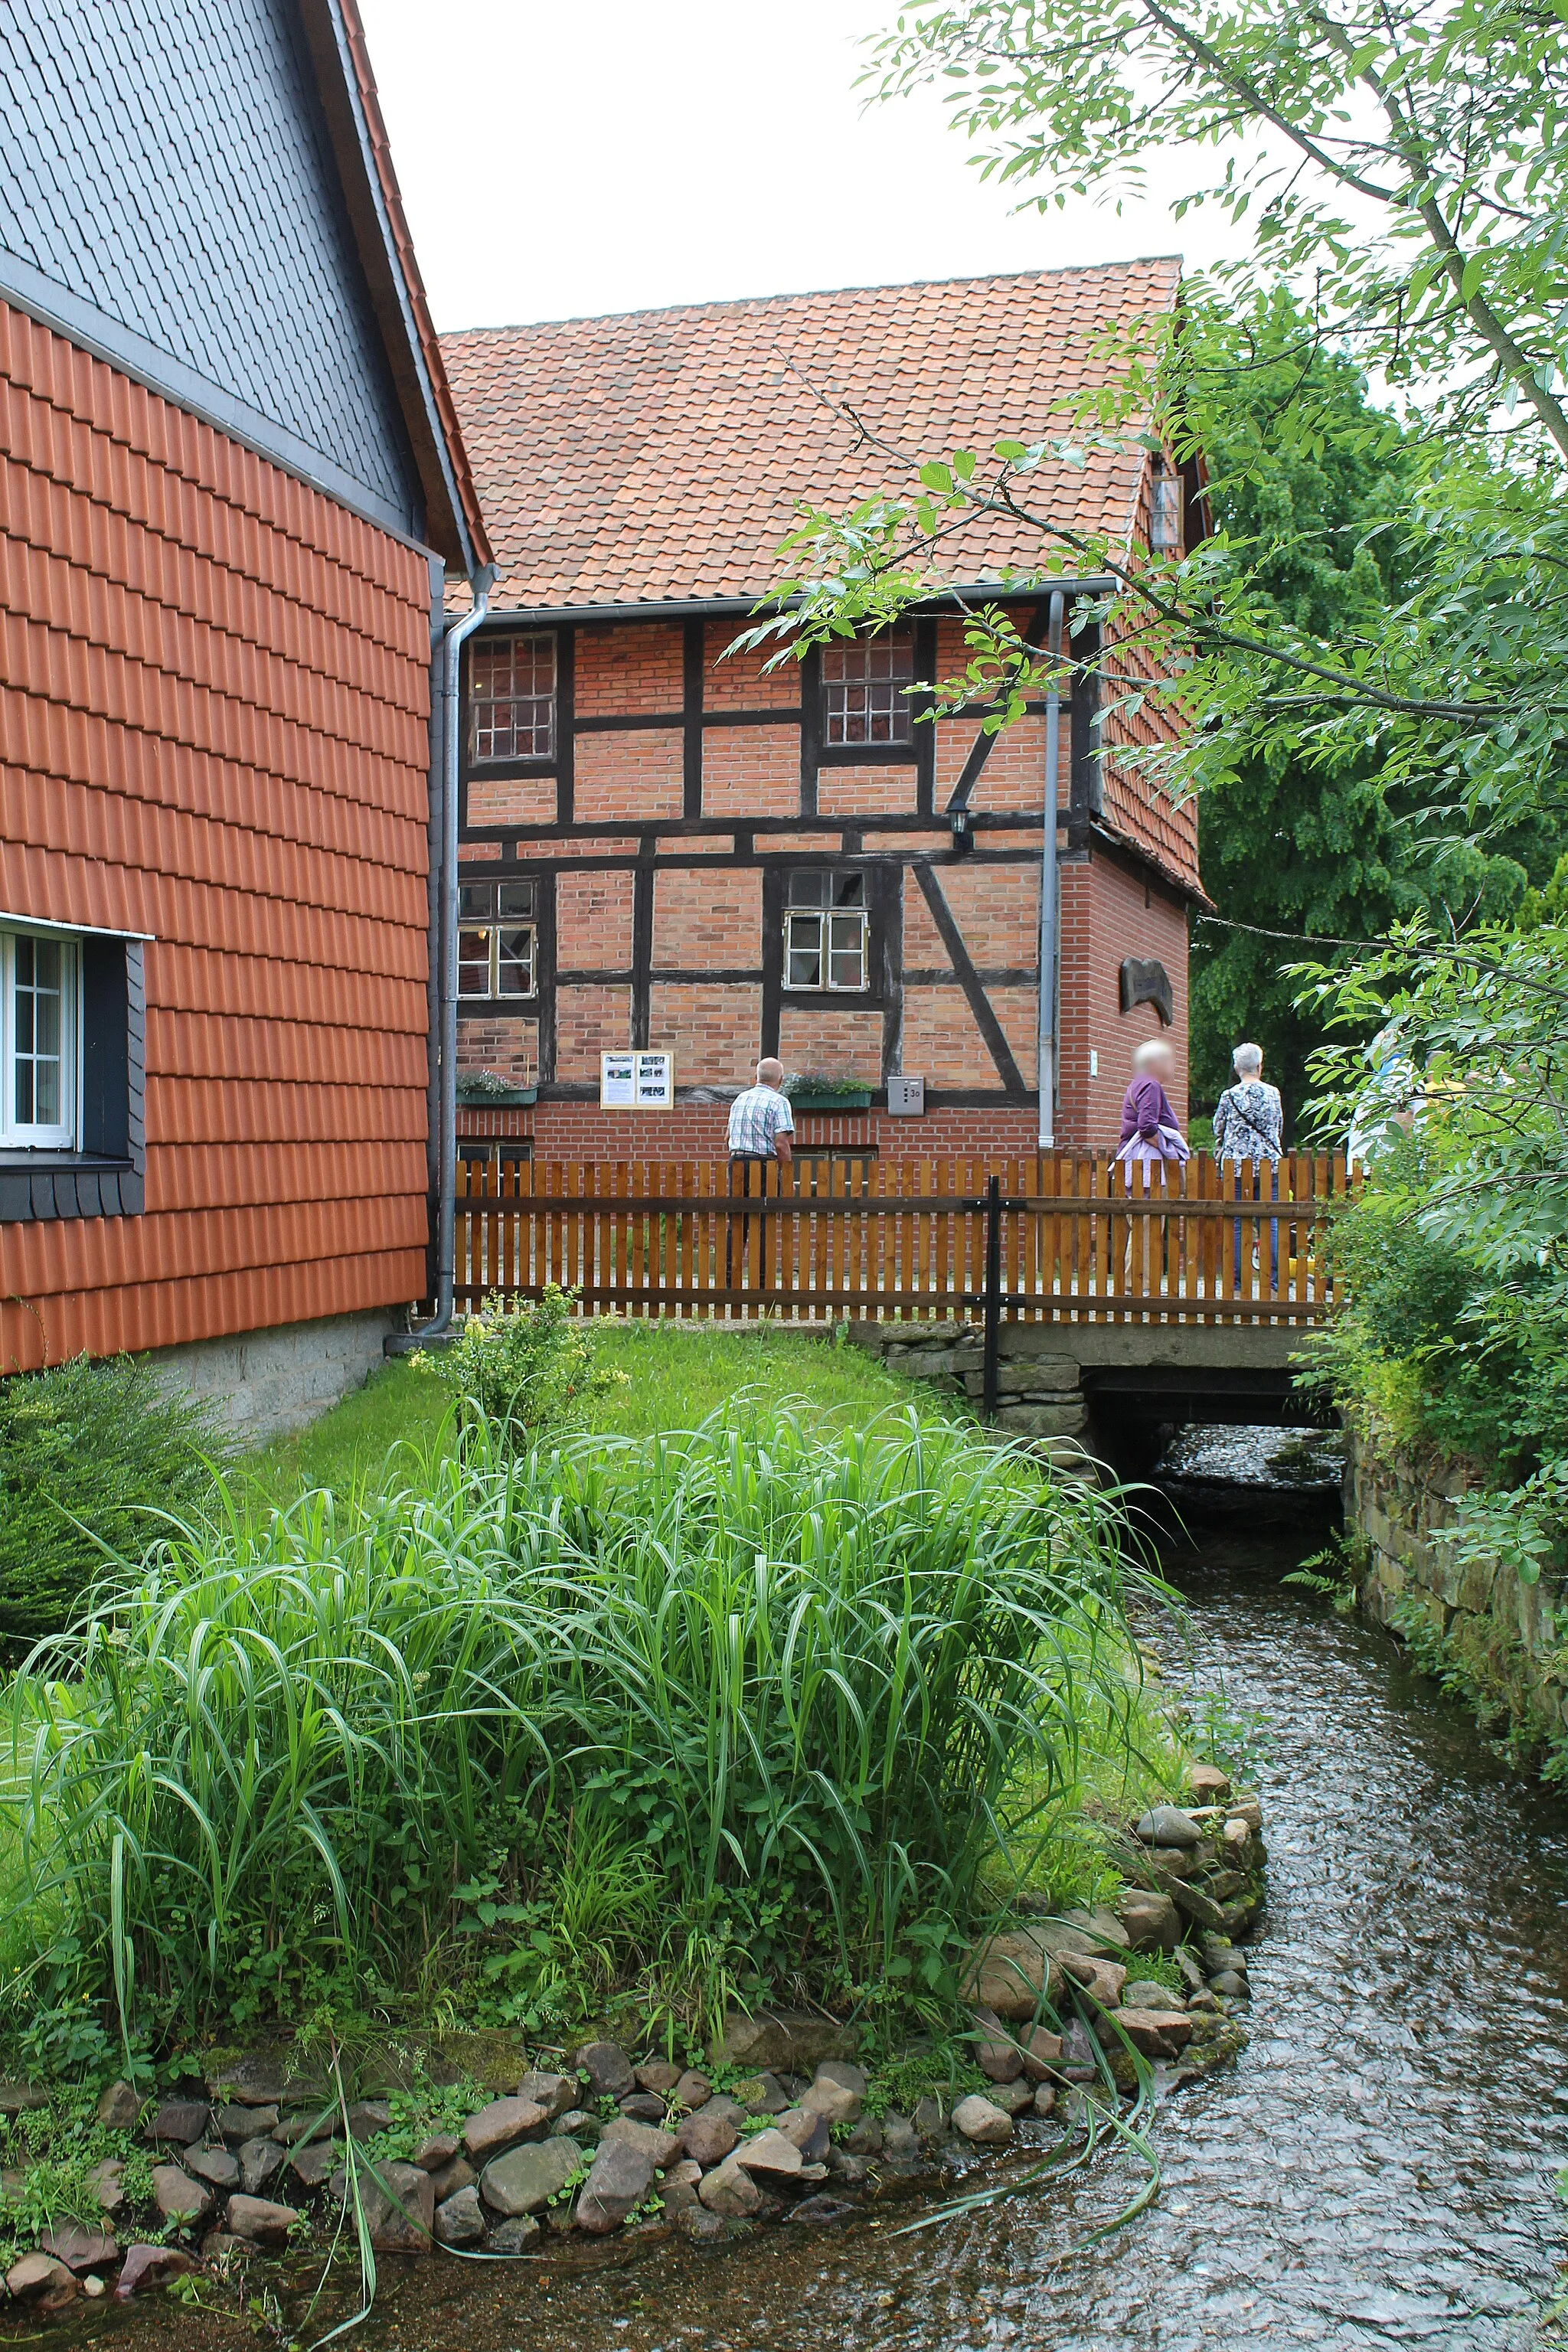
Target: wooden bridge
pixel 1198 1269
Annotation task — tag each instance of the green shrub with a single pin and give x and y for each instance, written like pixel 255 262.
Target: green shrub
pixel 1428 1344
pixel 522 1369
pixel 770 1686
pixel 89 1451
pixel 1455 1255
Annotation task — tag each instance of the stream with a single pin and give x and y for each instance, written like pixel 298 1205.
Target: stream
pixel 1376 2171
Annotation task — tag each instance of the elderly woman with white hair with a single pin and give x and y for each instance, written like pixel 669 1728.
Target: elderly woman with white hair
pixel 1250 1119
pixel 1247 1126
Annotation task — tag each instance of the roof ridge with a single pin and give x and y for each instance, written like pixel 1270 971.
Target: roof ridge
pixel 813 293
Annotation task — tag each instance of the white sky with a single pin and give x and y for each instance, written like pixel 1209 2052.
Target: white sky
pixel 559 161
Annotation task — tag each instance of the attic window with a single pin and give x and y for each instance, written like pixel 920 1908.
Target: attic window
pixel 866 688
pixel 1165 511
pixel 511 698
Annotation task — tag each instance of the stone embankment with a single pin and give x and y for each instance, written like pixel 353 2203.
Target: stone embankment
pixel 1501 1632
pixel 783 2123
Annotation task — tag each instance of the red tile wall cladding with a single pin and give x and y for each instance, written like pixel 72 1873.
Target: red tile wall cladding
pixel 214 710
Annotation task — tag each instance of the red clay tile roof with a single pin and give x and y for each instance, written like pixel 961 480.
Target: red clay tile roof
pixel 658 453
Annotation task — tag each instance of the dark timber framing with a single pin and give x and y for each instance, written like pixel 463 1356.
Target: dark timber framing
pixel 642 940
pixel 918 842
pixel 969 979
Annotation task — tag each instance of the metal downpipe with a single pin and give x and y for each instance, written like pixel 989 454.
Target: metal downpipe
pixel 441 1323
pixel 1050 884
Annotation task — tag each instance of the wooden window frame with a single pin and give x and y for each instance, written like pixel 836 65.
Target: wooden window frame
pixel 831 915
pixel 897 647
pixel 486 650
pixel 493 926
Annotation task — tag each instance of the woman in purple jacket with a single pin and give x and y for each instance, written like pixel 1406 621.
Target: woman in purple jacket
pixel 1151 1138
pixel 1150 1128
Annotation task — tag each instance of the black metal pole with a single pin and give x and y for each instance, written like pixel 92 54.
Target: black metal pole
pixel 993 1291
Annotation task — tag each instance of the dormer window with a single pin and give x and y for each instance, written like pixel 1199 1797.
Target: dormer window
pixel 866 689
pixel 511 698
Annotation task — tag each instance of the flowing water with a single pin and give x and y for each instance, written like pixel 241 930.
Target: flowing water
pixel 1377 2170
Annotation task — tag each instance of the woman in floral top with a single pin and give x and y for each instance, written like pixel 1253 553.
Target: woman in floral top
pixel 1250 1119
pixel 1248 1127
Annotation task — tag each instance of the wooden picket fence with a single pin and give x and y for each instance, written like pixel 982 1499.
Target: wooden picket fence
pixel 1069 1236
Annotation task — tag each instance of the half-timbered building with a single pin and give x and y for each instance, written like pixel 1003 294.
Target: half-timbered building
pixel 668 846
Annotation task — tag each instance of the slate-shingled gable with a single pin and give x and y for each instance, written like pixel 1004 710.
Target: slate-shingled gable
pixel 659 455
pixel 151 203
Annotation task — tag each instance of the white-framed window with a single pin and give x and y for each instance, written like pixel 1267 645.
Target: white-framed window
pixel 511 698
pixel 827 930
pixel 866 688
pixel 40 1040
pixel 497 939
pixel 1164 510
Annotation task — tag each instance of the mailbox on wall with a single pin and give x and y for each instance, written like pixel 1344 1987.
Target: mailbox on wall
pixel 907 1098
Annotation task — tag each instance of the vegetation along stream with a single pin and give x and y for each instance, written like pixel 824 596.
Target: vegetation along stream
pixel 1378 2170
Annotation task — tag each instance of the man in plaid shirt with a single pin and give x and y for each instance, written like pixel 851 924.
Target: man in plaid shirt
pixel 761 1120
pixel 761 1126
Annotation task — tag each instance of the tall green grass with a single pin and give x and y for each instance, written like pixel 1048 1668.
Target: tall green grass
pixel 780 1679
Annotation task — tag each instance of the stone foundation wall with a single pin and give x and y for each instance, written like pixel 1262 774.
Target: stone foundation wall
pixel 262 1383
pixel 1501 1632
pixel 1039 1390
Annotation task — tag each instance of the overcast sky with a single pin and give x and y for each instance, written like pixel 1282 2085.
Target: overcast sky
pixel 560 161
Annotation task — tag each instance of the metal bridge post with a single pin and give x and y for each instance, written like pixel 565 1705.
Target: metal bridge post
pixel 992 1291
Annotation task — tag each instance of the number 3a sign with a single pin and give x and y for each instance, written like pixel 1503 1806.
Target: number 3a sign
pixel 637 1081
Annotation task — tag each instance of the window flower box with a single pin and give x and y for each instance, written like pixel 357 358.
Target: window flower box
pixel 804 1096
pixel 486 1090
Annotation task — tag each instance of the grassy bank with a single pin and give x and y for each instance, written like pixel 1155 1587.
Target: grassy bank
pixel 722 1670
pixel 674 1379
pixel 772 1681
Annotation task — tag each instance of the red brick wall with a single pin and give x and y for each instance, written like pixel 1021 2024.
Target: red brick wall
pixel 1013 776
pixel 628 669
pixel 214 729
pixel 594 922
pixel 1108 914
pixel 870 791
pixel 511 800
pixel 634 776
pixel 591 1019
pixel 740 682
pixel 707 922
pixel 832 1041
pixel 510 1047
pixel 751 770
pixel 712 1031
pixel 699 1131
pixel 942 1043
pixel 998 909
